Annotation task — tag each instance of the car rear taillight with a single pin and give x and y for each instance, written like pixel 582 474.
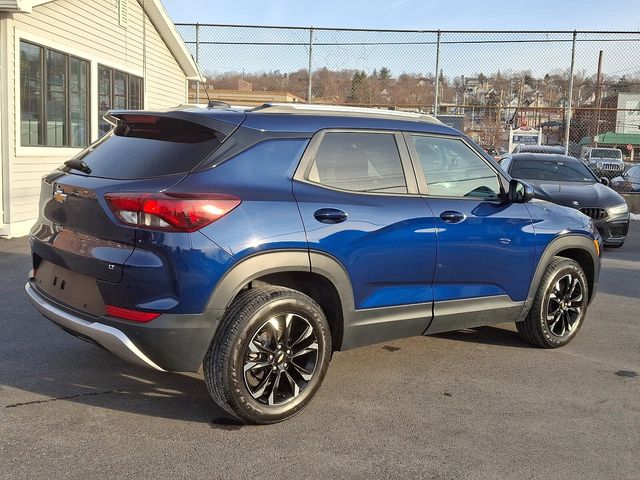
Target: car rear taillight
pixel 175 212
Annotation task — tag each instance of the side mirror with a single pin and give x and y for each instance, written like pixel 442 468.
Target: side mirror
pixel 519 191
pixel 604 181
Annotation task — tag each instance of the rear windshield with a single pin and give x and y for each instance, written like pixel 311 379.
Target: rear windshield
pixel 150 147
pixel 605 153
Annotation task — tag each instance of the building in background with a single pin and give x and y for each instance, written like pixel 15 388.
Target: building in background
pixel 63 65
pixel 616 124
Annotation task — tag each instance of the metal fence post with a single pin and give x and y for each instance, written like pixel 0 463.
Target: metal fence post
pixel 310 83
pixel 570 103
pixel 198 62
pixel 436 96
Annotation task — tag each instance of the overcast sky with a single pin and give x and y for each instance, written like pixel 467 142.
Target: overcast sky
pixel 418 14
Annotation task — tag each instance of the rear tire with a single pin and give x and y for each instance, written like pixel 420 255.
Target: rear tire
pixel 559 307
pixel 269 356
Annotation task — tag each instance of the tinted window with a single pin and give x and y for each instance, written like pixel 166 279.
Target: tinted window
pixel 143 150
pixel 554 171
pixel 362 162
pixel 452 169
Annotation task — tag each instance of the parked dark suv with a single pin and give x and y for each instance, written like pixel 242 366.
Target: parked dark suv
pixel 256 243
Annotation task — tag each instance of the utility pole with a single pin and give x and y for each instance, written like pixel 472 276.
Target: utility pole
pixel 310 70
pixel 570 103
pixel 198 62
pixel 435 98
pixel 598 96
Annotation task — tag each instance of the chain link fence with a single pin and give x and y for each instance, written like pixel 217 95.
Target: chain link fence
pixel 578 90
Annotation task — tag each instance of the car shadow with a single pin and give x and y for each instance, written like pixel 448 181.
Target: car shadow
pixel 488 335
pixel 40 363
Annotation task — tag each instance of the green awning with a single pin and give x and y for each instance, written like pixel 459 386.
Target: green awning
pixel 613 138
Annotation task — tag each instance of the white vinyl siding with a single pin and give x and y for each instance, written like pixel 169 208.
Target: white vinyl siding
pixel 88 29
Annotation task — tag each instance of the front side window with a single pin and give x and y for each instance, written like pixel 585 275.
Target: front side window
pixel 54 98
pixel 360 162
pixel 452 169
pixel 116 91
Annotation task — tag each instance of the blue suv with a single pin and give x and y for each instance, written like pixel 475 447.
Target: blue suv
pixel 255 243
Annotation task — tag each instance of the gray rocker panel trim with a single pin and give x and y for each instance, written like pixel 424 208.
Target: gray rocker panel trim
pixel 473 312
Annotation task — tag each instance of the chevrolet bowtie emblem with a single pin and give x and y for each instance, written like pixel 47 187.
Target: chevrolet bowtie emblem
pixel 59 196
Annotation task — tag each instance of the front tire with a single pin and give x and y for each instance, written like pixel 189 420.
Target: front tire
pixel 559 307
pixel 269 356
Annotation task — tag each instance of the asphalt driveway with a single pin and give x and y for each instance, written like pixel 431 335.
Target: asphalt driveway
pixel 473 404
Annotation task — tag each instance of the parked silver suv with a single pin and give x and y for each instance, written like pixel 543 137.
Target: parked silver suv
pixel 604 159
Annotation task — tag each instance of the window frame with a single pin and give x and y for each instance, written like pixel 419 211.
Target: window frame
pixel 423 188
pixel 309 157
pixel 43 100
pixel 127 83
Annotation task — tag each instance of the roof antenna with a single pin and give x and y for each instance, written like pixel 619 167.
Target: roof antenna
pixel 206 92
pixel 214 103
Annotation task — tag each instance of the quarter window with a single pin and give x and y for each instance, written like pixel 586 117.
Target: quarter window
pixel 54 98
pixel 116 91
pixel 361 162
pixel 452 169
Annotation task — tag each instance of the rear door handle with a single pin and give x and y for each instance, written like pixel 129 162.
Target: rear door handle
pixel 330 215
pixel 451 216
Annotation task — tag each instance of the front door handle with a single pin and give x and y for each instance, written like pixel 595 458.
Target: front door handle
pixel 451 216
pixel 330 215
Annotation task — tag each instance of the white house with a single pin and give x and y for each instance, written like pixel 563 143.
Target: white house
pixel 63 64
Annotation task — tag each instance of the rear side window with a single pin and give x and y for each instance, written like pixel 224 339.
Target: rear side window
pixel 360 162
pixel 148 146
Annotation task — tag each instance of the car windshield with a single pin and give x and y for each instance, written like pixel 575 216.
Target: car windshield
pixel 551 170
pixel 606 153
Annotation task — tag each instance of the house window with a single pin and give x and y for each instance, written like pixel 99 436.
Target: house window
pixel 54 98
pixel 116 91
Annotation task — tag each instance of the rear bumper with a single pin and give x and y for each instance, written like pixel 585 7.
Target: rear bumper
pixel 106 336
pixel 168 343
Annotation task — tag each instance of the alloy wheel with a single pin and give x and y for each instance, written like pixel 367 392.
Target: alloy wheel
pixel 280 359
pixel 565 305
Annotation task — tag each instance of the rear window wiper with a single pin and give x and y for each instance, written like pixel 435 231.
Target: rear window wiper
pixel 77 164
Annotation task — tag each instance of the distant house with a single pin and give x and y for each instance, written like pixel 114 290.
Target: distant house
pixel 63 64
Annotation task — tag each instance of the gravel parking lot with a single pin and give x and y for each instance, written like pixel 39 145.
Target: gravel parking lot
pixel 473 404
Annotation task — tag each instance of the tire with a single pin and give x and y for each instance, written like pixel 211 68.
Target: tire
pixel 249 338
pixel 557 312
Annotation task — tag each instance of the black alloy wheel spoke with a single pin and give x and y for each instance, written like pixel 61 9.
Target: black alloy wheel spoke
pixel 564 306
pixel 281 359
